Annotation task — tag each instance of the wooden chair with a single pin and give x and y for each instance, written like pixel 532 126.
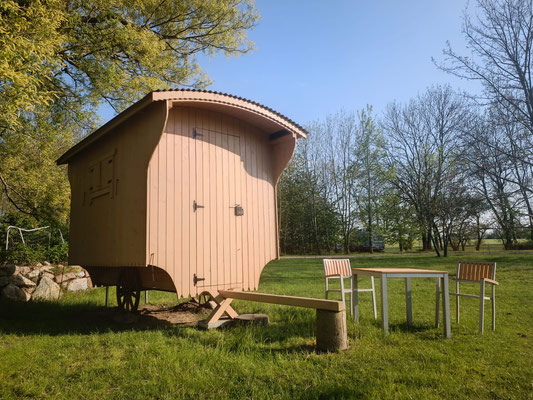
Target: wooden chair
pixel 341 269
pixel 481 273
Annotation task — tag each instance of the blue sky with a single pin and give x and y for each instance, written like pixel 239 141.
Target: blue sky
pixel 314 58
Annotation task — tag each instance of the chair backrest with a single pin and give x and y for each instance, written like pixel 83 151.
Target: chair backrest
pixel 336 267
pixel 471 271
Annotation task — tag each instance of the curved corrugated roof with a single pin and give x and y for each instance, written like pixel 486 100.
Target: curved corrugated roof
pixel 269 118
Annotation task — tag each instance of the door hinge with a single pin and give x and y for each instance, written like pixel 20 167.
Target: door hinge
pixel 195 279
pixel 195 133
pixel 196 206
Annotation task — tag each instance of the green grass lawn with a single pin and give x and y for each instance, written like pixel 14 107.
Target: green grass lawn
pixel 58 351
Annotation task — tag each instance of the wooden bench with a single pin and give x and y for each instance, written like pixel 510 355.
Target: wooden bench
pixel 330 315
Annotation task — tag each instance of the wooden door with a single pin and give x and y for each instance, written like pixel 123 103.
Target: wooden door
pixel 218 176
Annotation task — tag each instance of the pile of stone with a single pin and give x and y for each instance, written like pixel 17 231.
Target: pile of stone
pixel 41 282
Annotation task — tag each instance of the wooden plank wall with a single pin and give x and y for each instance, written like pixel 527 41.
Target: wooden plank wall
pixel 230 164
pixel 109 230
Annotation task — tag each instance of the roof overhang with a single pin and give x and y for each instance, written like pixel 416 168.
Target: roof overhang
pixel 256 114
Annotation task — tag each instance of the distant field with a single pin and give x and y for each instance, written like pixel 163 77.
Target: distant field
pixel 59 351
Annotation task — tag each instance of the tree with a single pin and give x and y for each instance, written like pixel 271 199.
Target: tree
pixel 489 168
pixel 399 222
pixel 60 60
pixel 369 171
pixel 340 133
pixel 500 41
pixel 422 148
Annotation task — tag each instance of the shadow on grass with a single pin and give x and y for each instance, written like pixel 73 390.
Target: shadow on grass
pixel 52 318
pixel 56 318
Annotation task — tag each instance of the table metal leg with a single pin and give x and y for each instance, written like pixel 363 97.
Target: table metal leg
pixel 446 307
pixel 384 305
pixel 437 302
pixel 355 298
pixel 374 297
pixel 408 304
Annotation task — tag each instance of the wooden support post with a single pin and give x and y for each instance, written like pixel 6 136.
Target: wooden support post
pixel 331 333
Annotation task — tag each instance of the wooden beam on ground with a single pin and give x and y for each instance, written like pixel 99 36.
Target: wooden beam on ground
pixel 306 302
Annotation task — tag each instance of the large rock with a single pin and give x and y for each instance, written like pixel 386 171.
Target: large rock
pixel 65 277
pixel 48 275
pixel 80 274
pixel 21 281
pixel 46 268
pixel 28 292
pixel 24 270
pixel 7 270
pixel 46 264
pixel 46 290
pixel 4 281
pixel 78 284
pixel 13 293
pixel 34 274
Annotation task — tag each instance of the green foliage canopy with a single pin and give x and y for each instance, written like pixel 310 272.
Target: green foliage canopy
pixel 60 60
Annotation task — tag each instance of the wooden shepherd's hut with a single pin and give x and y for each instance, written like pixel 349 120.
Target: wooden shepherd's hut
pixel 178 193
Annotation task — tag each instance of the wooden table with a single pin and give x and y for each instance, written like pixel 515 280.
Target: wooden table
pixel 407 273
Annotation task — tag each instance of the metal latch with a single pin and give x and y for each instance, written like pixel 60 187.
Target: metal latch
pixel 195 279
pixel 196 206
pixel 239 211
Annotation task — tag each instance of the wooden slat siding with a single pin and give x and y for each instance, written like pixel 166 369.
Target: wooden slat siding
pixel 337 267
pixel 193 165
pixel 225 203
pixel 205 237
pixel 170 175
pixel 219 200
pixel 124 214
pixel 261 201
pixel 238 167
pixel 223 170
pixel 231 213
pixel 155 206
pixel 186 204
pixel 251 234
pixel 162 211
pixel 178 200
pixel 213 185
pixel 475 271
pixel 246 265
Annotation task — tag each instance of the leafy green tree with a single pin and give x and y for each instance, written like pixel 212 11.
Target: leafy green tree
pixel 61 60
pixel 370 172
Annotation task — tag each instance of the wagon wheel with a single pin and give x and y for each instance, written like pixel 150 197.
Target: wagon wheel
pixel 128 289
pixel 204 299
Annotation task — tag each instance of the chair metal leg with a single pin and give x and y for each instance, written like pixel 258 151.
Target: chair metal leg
pixel 374 298
pixel 493 307
pixel 326 288
pixel 342 292
pixel 457 301
pixel 482 305
pixel 351 296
